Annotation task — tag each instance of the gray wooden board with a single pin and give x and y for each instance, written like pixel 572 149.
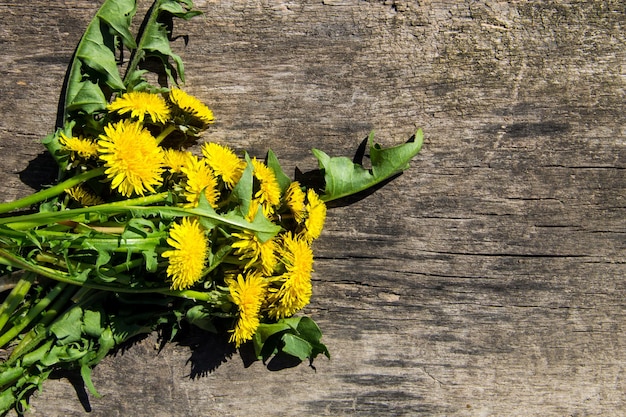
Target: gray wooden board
pixel 486 280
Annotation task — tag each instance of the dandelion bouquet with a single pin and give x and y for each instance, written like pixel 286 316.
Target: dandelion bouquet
pixel 151 226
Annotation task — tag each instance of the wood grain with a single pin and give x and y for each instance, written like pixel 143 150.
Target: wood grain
pixel 486 280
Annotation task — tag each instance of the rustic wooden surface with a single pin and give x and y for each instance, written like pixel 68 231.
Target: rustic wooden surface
pixel 486 280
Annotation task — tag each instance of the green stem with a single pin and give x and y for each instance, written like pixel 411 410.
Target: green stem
pixel 59 305
pixel 39 334
pixel 51 192
pixel 29 221
pixel 33 312
pixel 169 129
pixel 15 297
pixel 11 259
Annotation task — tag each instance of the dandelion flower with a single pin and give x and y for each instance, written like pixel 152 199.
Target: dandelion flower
pixel 261 254
pixel 140 103
pixel 294 200
pixel 296 289
pixel 84 197
pixel 176 160
pixel 188 258
pixel 224 163
pixel 248 294
pixel 316 215
pixel 84 148
pixel 191 106
pixel 200 178
pixel 269 190
pixel 255 203
pixel 133 159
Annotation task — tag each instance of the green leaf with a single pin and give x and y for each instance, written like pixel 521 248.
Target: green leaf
pixel 266 330
pixel 106 342
pixel 199 316
pixel 310 331
pixel 68 327
pixel 283 180
pixel 85 373
pixel 38 354
pixel 52 144
pixel 295 336
pixel 11 374
pixel 7 400
pixel 118 15
pixel 92 323
pixel 209 218
pixel 94 64
pixel 344 177
pixel 154 40
pixel 242 192
pixel 82 94
pixel 296 346
pixel 263 227
pixel 97 52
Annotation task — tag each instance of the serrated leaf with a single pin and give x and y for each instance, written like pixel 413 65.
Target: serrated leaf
pixel 343 177
pixel 94 60
pixel 154 40
pixel 68 328
pixel 118 15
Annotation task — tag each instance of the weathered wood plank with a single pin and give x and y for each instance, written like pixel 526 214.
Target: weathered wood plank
pixel 487 280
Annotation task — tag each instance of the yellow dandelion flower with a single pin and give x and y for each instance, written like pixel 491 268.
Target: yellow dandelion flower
pixel 224 162
pixel 84 148
pixel 84 197
pixel 248 294
pixel 269 189
pixel 259 254
pixel 176 160
pixel 140 103
pixel 188 258
pixel 192 106
pixel 200 177
pixel 294 200
pixel 255 203
pixel 296 289
pixel 316 215
pixel 132 156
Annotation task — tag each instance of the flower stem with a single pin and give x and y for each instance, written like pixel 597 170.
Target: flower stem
pixel 29 221
pixel 18 262
pixel 169 129
pixel 15 297
pixel 51 192
pixel 38 333
pixel 33 312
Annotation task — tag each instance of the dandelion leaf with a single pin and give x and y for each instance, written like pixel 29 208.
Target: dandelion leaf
pixel 94 64
pixel 242 192
pixel 283 180
pixel 344 177
pixel 155 40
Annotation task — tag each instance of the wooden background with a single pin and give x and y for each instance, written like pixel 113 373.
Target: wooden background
pixel 486 280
